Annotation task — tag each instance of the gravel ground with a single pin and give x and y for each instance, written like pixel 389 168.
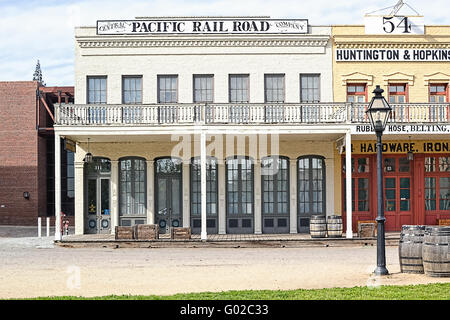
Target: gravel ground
pixel 32 267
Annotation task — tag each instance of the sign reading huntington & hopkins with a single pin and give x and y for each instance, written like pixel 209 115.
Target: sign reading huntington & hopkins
pixel 416 55
pixel 201 26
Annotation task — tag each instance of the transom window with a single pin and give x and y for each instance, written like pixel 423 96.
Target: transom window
pixel 211 187
pixel 167 89
pixel 275 179
pixel 397 93
pixel 239 86
pixel 203 88
pixel 310 87
pixel 132 89
pixel 239 186
pixel 132 186
pixel 274 88
pixel 356 93
pixel 438 93
pixel 96 90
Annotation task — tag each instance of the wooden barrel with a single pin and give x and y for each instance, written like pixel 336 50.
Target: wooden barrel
pixel 410 249
pixel 435 251
pixel 334 226
pixel 318 226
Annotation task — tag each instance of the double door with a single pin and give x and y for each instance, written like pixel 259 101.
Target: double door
pixel 98 217
pixel 397 187
pixel 168 202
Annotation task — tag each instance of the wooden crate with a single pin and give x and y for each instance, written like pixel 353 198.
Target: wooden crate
pixel 366 230
pixel 180 233
pixel 146 231
pixel 444 222
pixel 368 221
pixel 124 233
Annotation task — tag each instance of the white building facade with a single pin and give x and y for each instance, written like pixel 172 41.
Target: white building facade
pixel 154 104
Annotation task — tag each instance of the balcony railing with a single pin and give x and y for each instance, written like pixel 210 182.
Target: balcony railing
pixel 314 113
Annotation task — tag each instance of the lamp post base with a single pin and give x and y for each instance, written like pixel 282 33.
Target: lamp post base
pixel 381 271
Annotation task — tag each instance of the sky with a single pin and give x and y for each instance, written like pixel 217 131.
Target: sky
pixel 43 30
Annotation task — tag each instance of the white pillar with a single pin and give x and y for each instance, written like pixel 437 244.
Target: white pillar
pixel 203 182
pixel 79 197
pixel 222 205
pixel 257 190
pixel 348 183
pixel 48 226
pixel 39 227
pixel 186 189
pixel 150 191
pixel 114 195
pixel 57 187
pixel 293 196
pixel 329 186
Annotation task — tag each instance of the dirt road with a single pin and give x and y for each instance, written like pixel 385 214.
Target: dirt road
pixel 32 267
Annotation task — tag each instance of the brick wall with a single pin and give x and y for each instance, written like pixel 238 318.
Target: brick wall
pixel 19 154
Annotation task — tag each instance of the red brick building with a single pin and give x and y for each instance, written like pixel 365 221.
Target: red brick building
pixel 27 152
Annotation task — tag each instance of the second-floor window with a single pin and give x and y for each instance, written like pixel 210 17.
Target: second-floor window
pixel 274 88
pixel 438 93
pixel 356 93
pixel 397 93
pixel 167 89
pixel 203 88
pixel 96 89
pixel 238 84
pixel 132 89
pixel 310 87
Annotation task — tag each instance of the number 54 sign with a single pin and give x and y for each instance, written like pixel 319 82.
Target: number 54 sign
pixel 394 25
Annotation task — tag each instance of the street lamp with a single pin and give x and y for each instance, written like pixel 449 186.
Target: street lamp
pixel 378 112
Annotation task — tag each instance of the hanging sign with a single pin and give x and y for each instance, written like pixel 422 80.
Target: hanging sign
pixel 201 26
pixel 395 25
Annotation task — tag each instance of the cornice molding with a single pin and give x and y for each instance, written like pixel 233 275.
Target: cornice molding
pixel 387 45
pixel 118 43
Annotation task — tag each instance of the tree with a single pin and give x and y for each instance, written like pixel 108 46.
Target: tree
pixel 37 76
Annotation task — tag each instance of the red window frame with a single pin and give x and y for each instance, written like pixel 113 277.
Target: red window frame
pixel 357 93
pixel 404 93
pixel 444 93
pixel 436 174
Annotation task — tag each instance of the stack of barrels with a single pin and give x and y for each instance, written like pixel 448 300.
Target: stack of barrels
pixel 425 249
pixel 321 226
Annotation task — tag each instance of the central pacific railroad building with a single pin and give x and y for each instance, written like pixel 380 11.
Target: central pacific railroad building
pixel 247 125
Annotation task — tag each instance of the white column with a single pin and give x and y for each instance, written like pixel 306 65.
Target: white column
pixel 150 191
pixel 79 197
pixel 329 186
pixel 222 205
pixel 257 190
pixel 186 188
pixel 203 182
pixel 57 187
pixel 293 196
pixel 114 195
pixel 39 227
pixel 348 183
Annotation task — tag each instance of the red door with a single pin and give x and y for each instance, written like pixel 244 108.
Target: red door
pixel 397 186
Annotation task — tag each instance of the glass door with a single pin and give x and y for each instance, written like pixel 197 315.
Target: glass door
pixel 169 211
pixel 98 218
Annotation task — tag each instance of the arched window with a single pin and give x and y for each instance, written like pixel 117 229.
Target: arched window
pixel 275 194
pixel 132 186
pixel 239 194
pixel 211 194
pixel 311 189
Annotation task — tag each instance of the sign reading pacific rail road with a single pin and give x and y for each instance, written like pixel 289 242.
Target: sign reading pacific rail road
pixel 201 26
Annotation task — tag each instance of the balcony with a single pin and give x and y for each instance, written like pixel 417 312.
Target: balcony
pixel 211 114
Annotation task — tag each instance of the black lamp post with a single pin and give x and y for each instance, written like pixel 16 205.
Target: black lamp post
pixel 378 112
